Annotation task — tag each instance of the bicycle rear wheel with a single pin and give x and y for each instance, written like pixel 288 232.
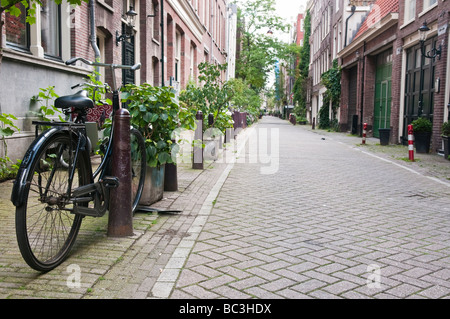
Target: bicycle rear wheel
pixel 46 226
pixel 138 164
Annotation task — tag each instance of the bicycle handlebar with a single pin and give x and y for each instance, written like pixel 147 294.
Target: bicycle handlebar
pixel 106 86
pixel 106 65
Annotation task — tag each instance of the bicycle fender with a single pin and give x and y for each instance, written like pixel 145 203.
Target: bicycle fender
pixel 19 184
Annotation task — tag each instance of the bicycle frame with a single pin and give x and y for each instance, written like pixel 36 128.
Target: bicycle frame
pixel 98 188
pixel 115 100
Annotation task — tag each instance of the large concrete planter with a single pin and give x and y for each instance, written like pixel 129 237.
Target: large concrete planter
pixel 153 186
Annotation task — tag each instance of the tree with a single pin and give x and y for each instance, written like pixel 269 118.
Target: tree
pixel 301 82
pixel 211 97
pixel 11 7
pixel 244 99
pixel 259 52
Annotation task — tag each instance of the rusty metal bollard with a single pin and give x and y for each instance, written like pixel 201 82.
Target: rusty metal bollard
pixel 198 149
pixel 120 221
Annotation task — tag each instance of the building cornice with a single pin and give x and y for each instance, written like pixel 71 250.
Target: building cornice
pixel 378 28
pixel 189 17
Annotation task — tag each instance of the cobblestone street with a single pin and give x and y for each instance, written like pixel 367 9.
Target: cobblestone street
pixel 301 214
pixel 329 218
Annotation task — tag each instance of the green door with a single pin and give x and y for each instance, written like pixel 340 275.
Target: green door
pixel 383 94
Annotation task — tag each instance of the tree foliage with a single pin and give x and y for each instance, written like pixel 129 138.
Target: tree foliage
pixel 301 82
pixel 244 99
pixel 212 96
pixel 258 51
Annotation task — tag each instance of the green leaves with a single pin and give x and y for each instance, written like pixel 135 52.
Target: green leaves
pixel 8 127
pixel 212 97
pixel 156 112
pixel 46 97
pixel 259 52
pixel 331 79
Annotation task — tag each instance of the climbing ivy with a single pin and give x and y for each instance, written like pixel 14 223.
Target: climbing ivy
pixel 331 79
pixel 301 82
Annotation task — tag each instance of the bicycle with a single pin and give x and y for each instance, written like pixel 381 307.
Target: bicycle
pixel 56 187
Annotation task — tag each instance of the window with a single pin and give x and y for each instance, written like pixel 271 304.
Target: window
pixel 51 28
pixel 410 10
pixel 177 56
pixel 101 39
pixel 192 66
pixel 156 22
pixel 17 30
pixel 429 3
pixel 48 37
pixel 156 67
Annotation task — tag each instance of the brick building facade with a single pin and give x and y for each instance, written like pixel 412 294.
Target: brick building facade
pixel 367 63
pixel 191 32
pixel 386 81
pixel 334 23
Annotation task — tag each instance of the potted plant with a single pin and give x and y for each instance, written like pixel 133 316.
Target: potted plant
pixel 422 134
pixel 155 111
pixel 446 139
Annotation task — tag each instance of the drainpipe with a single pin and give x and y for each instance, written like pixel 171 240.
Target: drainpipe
pixel 346 24
pixel 93 36
pixel 362 85
pixel 212 29
pixel 162 43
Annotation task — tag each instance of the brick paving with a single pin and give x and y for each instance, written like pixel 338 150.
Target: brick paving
pixel 313 229
pixel 322 217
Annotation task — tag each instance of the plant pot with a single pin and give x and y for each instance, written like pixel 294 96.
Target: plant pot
pixel 170 177
pixel 446 140
pixel 422 141
pixel 154 185
pixel 384 135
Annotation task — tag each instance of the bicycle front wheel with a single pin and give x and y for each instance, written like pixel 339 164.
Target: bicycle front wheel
pixel 46 226
pixel 138 165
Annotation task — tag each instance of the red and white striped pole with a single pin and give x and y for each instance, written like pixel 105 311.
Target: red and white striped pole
pixel 364 133
pixel 411 143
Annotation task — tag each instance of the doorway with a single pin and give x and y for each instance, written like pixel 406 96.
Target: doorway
pixel 383 93
pixel 419 86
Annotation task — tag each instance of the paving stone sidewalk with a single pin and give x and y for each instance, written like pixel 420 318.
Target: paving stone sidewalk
pixel 110 267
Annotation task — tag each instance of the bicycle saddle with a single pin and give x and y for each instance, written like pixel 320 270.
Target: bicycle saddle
pixel 78 101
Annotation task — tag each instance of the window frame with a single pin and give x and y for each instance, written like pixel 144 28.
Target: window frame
pixel 16 46
pixel 59 35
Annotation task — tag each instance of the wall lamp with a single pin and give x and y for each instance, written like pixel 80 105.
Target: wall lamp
pixel 434 52
pixel 131 16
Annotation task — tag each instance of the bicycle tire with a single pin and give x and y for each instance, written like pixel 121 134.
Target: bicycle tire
pixel 138 166
pixel 46 229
